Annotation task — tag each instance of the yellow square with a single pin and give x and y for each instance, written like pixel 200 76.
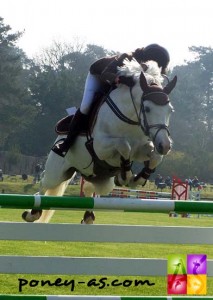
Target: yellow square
pixel 196 284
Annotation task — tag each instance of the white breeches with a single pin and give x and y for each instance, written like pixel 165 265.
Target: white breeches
pixel 92 86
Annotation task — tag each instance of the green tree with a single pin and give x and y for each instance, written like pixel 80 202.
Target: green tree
pixel 16 109
pixel 191 125
pixel 204 58
pixel 57 82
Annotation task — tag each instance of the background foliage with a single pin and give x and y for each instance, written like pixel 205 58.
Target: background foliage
pixel 34 94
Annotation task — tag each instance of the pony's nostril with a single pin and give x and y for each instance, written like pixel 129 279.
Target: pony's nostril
pixel 160 148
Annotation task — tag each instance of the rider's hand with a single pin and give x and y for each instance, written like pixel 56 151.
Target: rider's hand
pixel 124 56
pixel 127 80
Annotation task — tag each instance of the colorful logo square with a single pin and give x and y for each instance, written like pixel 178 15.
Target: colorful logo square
pixel 177 284
pixel 196 264
pixel 187 274
pixel 196 284
pixel 177 264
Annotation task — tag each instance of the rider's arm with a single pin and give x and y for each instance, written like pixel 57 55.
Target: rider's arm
pixel 118 61
pixel 106 68
pixel 100 65
pixel 110 73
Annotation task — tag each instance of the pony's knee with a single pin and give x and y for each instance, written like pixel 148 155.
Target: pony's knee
pixel 88 189
pixel 101 187
pixel 105 186
pixel 124 148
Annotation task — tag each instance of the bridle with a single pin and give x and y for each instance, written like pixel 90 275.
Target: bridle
pixel 145 126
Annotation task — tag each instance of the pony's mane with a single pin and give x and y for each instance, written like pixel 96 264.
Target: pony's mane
pixel 133 68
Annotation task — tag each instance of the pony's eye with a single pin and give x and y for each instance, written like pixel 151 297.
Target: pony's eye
pixel 147 109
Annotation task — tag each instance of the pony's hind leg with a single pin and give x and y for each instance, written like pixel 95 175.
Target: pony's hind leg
pixel 47 190
pixel 55 191
pixel 54 182
pixel 32 215
pixel 44 216
pixel 58 191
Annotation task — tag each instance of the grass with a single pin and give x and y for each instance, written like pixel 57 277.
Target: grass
pixel 94 285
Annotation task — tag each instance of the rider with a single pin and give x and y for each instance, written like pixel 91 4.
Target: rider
pixel 103 74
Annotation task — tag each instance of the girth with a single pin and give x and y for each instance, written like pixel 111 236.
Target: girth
pixel 101 168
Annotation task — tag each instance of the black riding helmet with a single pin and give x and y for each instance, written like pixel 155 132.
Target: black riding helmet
pixel 153 52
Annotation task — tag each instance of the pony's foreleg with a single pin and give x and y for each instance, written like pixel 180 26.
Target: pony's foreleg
pixel 96 188
pixel 149 168
pixel 125 174
pixel 122 150
pixel 89 191
pixel 141 177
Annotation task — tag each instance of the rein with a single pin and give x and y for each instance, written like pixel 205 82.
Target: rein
pixel 145 127
pixel 118 113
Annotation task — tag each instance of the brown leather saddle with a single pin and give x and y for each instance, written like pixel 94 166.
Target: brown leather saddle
pixel 62 126
pixel 101 168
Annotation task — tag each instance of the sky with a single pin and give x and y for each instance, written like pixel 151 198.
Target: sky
pixel 119 25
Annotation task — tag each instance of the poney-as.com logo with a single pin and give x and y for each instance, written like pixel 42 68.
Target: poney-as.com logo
pixel 187 274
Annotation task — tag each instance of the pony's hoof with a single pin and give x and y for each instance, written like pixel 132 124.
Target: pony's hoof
pixel 120 182
pixel 89 217
pixel 134 183
pixel 116 182
pixel 28 217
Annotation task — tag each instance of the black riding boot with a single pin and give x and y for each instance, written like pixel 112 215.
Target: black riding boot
pixel 78 123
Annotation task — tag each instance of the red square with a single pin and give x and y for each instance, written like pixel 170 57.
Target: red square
pixel 176 284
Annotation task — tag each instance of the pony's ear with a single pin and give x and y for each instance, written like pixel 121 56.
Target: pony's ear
pixel 143 82
pixel 170 86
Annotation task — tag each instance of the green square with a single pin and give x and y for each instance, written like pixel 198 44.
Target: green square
pixel 177 264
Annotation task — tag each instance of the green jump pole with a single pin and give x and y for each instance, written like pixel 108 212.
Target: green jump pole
pixel 124 204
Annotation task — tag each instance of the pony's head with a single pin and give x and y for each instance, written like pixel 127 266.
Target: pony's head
pixel 154 107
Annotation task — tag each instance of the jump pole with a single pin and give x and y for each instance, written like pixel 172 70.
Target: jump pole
pixel 106 233
pixel 127 193
pixel 51 297
pixel 126 204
